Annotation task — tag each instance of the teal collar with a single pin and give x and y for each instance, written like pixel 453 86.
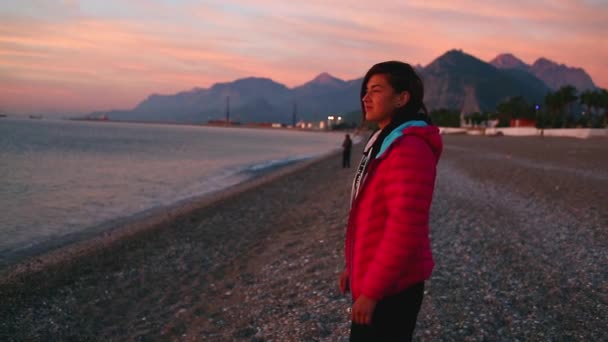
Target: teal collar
pixel 397 132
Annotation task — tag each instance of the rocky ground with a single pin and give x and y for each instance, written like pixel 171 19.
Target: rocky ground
pixel 519 234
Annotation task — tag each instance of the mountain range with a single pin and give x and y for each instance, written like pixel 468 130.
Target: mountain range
pixel 455 80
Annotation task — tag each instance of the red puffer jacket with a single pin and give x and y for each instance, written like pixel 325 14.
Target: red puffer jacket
pixel 387 240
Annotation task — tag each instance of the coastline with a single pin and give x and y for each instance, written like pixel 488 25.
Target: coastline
pixel 284 127
pixel 188 278
pixel 28 234
pixel 518 233
pixel 106 234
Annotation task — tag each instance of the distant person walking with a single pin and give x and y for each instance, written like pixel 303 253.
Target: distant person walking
pixel 387 248
pixel 347 146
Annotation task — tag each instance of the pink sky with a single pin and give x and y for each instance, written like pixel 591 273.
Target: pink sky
pixel 69 56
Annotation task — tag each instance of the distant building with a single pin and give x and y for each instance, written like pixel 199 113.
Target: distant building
pixel 522 123
pixel 223 123
pixel 320 125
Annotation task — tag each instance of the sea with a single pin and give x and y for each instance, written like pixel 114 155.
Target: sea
pixel 62 177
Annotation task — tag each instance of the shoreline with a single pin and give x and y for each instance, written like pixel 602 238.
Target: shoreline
pixel 190 278
pixel 517 231
pixel 252 125
pixel 93 239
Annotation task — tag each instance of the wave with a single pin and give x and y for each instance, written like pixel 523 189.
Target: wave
pixel 269 165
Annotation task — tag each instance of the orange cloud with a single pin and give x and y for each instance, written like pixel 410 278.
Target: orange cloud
pixel 168 47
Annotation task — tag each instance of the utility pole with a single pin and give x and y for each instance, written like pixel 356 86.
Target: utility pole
pixel 542 121
pixel 294 114
pixel 227 109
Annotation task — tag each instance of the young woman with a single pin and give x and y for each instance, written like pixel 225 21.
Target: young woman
pixel 387 249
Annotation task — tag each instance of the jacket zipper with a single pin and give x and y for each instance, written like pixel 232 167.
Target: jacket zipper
pixel 351 226
pixel 352 259
pixel 370 169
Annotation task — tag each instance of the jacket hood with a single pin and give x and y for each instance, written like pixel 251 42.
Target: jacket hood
pixel 428 133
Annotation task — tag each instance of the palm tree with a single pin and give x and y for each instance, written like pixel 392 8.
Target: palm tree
pixel 567 95
pixel 586 99
pixel 553 103
pixel 602 102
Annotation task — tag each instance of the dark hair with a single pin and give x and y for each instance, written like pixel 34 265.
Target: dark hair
pixel 402 77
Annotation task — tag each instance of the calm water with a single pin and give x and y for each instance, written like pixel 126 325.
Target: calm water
pixel 62 177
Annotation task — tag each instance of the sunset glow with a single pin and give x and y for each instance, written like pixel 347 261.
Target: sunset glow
pixel 69 56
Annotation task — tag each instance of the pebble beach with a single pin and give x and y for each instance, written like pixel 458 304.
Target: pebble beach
pixel 519 232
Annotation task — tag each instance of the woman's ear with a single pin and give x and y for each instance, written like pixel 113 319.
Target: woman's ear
pixel 402 99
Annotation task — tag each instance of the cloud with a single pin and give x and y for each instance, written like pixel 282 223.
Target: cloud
pixel 142 47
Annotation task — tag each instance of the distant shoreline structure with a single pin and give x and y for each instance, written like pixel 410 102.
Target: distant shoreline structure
pixel 212 123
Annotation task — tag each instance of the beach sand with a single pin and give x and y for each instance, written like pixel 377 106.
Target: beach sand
pixel 519 233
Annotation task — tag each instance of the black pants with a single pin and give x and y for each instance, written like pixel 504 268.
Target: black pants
pixel 394 318
pixel 345 159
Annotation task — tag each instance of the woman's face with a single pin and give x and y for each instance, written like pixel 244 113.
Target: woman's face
pixel 381 100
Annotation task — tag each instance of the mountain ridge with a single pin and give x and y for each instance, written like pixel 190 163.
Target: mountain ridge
pixel 552 73
pixel 453 80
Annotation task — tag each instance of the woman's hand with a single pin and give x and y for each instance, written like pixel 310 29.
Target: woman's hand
pixel 343 282
pixel 363 310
